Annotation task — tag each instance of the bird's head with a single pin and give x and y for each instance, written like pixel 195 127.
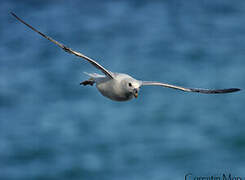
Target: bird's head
pixel 132 87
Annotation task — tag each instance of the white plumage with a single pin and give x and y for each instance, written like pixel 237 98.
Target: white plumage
pixel 119 86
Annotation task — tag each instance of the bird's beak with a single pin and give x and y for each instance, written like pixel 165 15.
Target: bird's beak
pixel 135 93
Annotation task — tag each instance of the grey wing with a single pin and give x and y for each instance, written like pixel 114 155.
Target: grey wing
pixel 205 91
pixel 69 50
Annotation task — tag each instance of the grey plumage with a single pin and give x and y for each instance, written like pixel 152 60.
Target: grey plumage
pixel 119 86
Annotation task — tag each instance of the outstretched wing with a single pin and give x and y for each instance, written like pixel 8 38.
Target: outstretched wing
pixel 69 50
pixel 205 91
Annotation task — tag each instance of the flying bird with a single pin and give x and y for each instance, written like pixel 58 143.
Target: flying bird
pixel 120 86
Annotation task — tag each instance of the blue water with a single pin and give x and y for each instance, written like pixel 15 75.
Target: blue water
pixel 52 128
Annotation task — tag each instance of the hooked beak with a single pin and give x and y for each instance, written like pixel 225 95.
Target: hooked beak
pixel 135 93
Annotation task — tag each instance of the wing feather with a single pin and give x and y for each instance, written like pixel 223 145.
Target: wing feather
pixel 205 91
pixel 67 49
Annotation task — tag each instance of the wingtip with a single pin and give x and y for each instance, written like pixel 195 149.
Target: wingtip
pixel 236 89
pixel 215 91
pixel 13 14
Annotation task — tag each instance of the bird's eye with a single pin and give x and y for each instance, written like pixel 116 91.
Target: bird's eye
pixel 129 84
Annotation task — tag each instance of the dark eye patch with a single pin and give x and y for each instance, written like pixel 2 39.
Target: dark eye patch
pixel 130 84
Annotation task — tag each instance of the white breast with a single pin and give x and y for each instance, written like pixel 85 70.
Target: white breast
pixel 111 88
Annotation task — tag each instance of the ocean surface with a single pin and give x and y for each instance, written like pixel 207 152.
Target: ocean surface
pixel 51 128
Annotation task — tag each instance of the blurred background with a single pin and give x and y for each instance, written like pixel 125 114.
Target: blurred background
pixel 53 128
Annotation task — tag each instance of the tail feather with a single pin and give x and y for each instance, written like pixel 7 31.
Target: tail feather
pixel 94 75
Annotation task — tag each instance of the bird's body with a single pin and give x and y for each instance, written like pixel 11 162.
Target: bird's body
pixel 119 86
pixel 114 88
